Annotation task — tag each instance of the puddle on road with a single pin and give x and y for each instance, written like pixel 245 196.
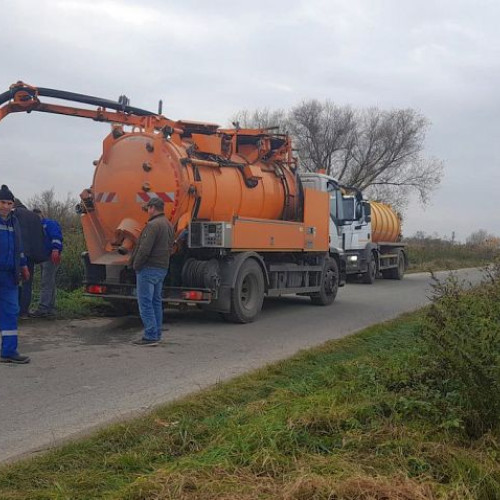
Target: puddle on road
pixel 114 332
pixel 44 334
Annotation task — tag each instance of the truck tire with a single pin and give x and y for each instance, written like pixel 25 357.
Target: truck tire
pixel 248 293
pixel 397 272
pixel 371 271
pixel 329 284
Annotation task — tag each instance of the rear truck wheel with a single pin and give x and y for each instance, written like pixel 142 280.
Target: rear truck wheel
pixel 397 272
pixel 371 270
pixel 248 293
pixel 329 284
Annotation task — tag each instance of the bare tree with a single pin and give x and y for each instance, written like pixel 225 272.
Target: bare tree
pixel 387 156
pixel 321 132
pixel 261 118
pixel 61 211
pixel 479 237
pixel 377 151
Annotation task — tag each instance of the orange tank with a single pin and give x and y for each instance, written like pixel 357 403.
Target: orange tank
pixel 200 171
pixel 386 224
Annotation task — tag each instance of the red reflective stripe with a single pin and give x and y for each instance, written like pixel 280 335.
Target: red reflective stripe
pixel 166 197
pixel 142 196
pixel 106 197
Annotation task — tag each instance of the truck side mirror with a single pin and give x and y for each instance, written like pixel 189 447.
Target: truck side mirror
pixel 368 211
pixel 359 212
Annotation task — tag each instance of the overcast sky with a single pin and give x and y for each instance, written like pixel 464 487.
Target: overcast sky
pixel 208 59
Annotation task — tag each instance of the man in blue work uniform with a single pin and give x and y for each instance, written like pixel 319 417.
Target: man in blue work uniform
pixel 12 264
pixel 54 246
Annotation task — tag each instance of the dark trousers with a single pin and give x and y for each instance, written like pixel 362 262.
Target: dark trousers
pixel 26 290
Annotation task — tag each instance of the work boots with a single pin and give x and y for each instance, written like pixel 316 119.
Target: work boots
pixel 15 358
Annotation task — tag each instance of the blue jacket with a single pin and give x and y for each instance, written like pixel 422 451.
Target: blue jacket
pixel 11 246
pixel 53 235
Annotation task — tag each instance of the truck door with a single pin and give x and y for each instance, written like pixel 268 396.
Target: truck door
pixel 356 229
pixel 348 232
pixel 363 225
pixel 336 215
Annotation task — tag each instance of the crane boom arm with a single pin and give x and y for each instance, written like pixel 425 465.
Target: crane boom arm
pixel 22 97
pixel 25 98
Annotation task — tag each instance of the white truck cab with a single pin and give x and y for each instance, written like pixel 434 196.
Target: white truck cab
pixel 351 229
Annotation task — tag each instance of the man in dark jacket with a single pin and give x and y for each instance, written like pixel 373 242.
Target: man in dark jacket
pixel 33 237
pixel 12 264
pixel 150 260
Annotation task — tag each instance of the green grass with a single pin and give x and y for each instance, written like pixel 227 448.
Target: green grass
pixel 348 420
pixel 75 304
pixel 71 304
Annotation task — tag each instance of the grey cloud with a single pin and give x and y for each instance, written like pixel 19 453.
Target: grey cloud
pixel 207 60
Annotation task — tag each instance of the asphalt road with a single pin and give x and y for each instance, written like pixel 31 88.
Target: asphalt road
pixel 85 373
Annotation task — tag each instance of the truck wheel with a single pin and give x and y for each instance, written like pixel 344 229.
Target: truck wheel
pixel 248 293
pixel 398 272
pixel 329 285
pixel 371 270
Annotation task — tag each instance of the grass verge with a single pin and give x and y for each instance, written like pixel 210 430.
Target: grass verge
pixel 347 420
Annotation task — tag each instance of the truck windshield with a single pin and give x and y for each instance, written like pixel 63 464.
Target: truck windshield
pixel 336 208
pixel 348 204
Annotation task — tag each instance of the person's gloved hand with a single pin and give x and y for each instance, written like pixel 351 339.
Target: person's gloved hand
pixel 55 257
pixel 25 273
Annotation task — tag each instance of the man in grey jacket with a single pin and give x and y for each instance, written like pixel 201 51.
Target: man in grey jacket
pixel 150 260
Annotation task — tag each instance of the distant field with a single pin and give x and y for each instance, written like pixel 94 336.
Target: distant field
pixel 439 255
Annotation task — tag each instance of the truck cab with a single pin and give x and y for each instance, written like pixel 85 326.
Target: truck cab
pixel 356 228
pixel 322 182
pixel 361 253
pixel 371 247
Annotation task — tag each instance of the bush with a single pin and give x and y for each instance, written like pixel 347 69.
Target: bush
pixel 70 274
pixel 461 349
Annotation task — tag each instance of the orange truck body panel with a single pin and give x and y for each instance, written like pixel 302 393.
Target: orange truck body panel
pixel 278 236
pixel 316 220
pixel 265 235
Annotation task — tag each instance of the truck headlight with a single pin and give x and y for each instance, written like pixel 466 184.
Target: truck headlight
pixel 352 258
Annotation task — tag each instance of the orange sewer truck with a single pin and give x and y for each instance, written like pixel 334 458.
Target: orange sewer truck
pixel 245 227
